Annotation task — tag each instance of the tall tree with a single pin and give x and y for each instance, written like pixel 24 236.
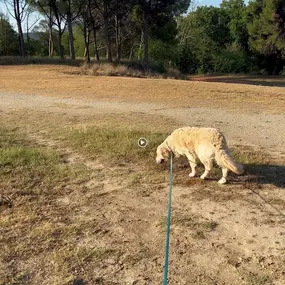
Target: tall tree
pixel 55 11
pixel 8 38
pixel 45 8
pixel 237 12
pixel 267 31
pixel 59 11
pixel 203 35
pixel 151 9
pixel 106 9
pixel 96 24
pixel 19 9
pixel 121 17
pixel 72 10
pixel 85 23
pixel 29 26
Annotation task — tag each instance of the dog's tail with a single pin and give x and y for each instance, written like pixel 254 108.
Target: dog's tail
pixel 224 159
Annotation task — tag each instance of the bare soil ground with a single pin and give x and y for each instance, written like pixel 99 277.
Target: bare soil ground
pixel 102 221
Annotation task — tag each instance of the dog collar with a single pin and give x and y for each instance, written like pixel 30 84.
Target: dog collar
pixel 169 148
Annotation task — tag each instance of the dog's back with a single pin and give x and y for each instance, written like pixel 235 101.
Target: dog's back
pixel 191 137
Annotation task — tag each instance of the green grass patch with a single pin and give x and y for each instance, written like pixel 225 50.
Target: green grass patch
pixel 36 223
pixel 114 144
pixel 248 156
pixel 119 145
pixel 29 169
pixel 35 170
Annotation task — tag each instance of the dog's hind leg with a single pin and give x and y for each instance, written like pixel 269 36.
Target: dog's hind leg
pixel 223 180
pixel 193 164
pixel 208 166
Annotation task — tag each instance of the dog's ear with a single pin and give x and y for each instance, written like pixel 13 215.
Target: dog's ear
pixel 165 152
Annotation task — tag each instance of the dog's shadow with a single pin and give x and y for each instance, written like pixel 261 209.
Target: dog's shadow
pixel 257 174
pixel 262 174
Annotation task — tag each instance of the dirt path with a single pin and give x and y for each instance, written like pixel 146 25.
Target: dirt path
pixel 258 130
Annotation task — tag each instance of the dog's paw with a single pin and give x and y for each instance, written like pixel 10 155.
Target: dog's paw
pixel 192 174
pixel 223 180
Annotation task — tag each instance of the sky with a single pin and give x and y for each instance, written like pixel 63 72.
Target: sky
pixel 211 2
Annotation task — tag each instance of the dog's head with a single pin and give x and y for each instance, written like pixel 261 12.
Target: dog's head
pixel 162 153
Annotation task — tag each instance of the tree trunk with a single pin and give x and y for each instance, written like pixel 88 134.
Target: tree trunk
pixel 50 39
pixel 106 32
pixel 96 52
pixel 70 36
pixel 19 26
pixel 145 36
pixel 279 64
pixel 28 40
pixel 118 38
pixel 140 47
pixel 50 43
pixel 86 42
pixel 58 18
pixel 21 39
pixel 59 46
pixel 131 52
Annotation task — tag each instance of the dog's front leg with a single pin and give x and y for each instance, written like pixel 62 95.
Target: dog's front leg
pixel 193 164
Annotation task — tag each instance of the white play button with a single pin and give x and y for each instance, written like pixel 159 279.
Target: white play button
pixel 142 142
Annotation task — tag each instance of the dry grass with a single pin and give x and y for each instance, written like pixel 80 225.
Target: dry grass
pixel 109 69
pixel 64 81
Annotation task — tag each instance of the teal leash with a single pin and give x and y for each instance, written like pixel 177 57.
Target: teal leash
pixel 168 224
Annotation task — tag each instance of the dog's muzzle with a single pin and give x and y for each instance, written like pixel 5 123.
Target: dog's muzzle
pixel 159 161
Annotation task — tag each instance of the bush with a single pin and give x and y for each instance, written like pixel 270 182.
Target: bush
pixel 230 62
pixel 187 62
pixel 131 69
pixel 192 61
pixel 163 53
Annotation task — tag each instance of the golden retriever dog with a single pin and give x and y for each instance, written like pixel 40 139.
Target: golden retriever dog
pixel 205 144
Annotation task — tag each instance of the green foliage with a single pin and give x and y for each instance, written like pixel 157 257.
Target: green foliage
pixel 203 34
pixel 65 43
pixel 237 12
pixel 164 29
pixel 37 47
pixel 215 40
pixel 231 62
pixel 213 23
pixel 232 38
pixel 162 52
pixel 8 38
pixel 267 33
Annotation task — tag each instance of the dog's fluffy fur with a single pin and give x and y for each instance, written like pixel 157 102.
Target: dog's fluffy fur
pixel 206 144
